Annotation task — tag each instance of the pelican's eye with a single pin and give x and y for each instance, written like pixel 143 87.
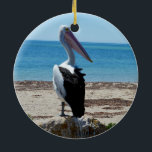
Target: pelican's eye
pixel 67 29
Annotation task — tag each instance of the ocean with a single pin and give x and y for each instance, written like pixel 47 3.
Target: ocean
pixel 111 62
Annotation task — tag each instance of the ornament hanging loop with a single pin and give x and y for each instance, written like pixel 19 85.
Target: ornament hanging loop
pixel 74 10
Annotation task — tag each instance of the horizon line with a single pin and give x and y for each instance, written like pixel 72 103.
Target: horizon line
pixel 80 41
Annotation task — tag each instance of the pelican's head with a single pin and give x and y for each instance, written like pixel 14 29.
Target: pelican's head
pixel 67 37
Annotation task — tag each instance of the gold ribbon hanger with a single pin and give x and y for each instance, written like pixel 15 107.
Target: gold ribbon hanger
pixel 74 10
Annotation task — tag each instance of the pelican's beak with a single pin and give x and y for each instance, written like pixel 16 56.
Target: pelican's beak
pixel 74 43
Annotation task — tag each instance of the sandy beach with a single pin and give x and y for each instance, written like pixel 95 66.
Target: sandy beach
pixel 106 101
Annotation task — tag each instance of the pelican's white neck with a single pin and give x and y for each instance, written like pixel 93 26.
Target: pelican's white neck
pixel 71 57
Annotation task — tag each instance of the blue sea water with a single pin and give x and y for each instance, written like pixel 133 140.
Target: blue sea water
pixel 111 62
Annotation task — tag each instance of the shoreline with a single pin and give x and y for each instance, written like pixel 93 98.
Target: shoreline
pixel 89 85
pixel 106 101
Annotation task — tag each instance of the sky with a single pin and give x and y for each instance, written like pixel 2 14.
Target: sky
pixel 91 29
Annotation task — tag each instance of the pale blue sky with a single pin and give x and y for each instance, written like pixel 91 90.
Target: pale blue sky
pixel 92 29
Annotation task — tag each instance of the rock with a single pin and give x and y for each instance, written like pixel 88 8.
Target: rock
pixel 72 127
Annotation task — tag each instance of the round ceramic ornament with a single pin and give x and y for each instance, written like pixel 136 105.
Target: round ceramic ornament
pixel 76 75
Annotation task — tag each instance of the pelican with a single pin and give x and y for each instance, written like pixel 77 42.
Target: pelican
pixel 68 81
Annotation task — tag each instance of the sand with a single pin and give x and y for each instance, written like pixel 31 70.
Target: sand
pixel 106 101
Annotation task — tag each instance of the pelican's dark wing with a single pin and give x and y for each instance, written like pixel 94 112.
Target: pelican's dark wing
pixel 74 85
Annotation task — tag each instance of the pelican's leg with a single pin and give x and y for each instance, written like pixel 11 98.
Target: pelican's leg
pixel 62 110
